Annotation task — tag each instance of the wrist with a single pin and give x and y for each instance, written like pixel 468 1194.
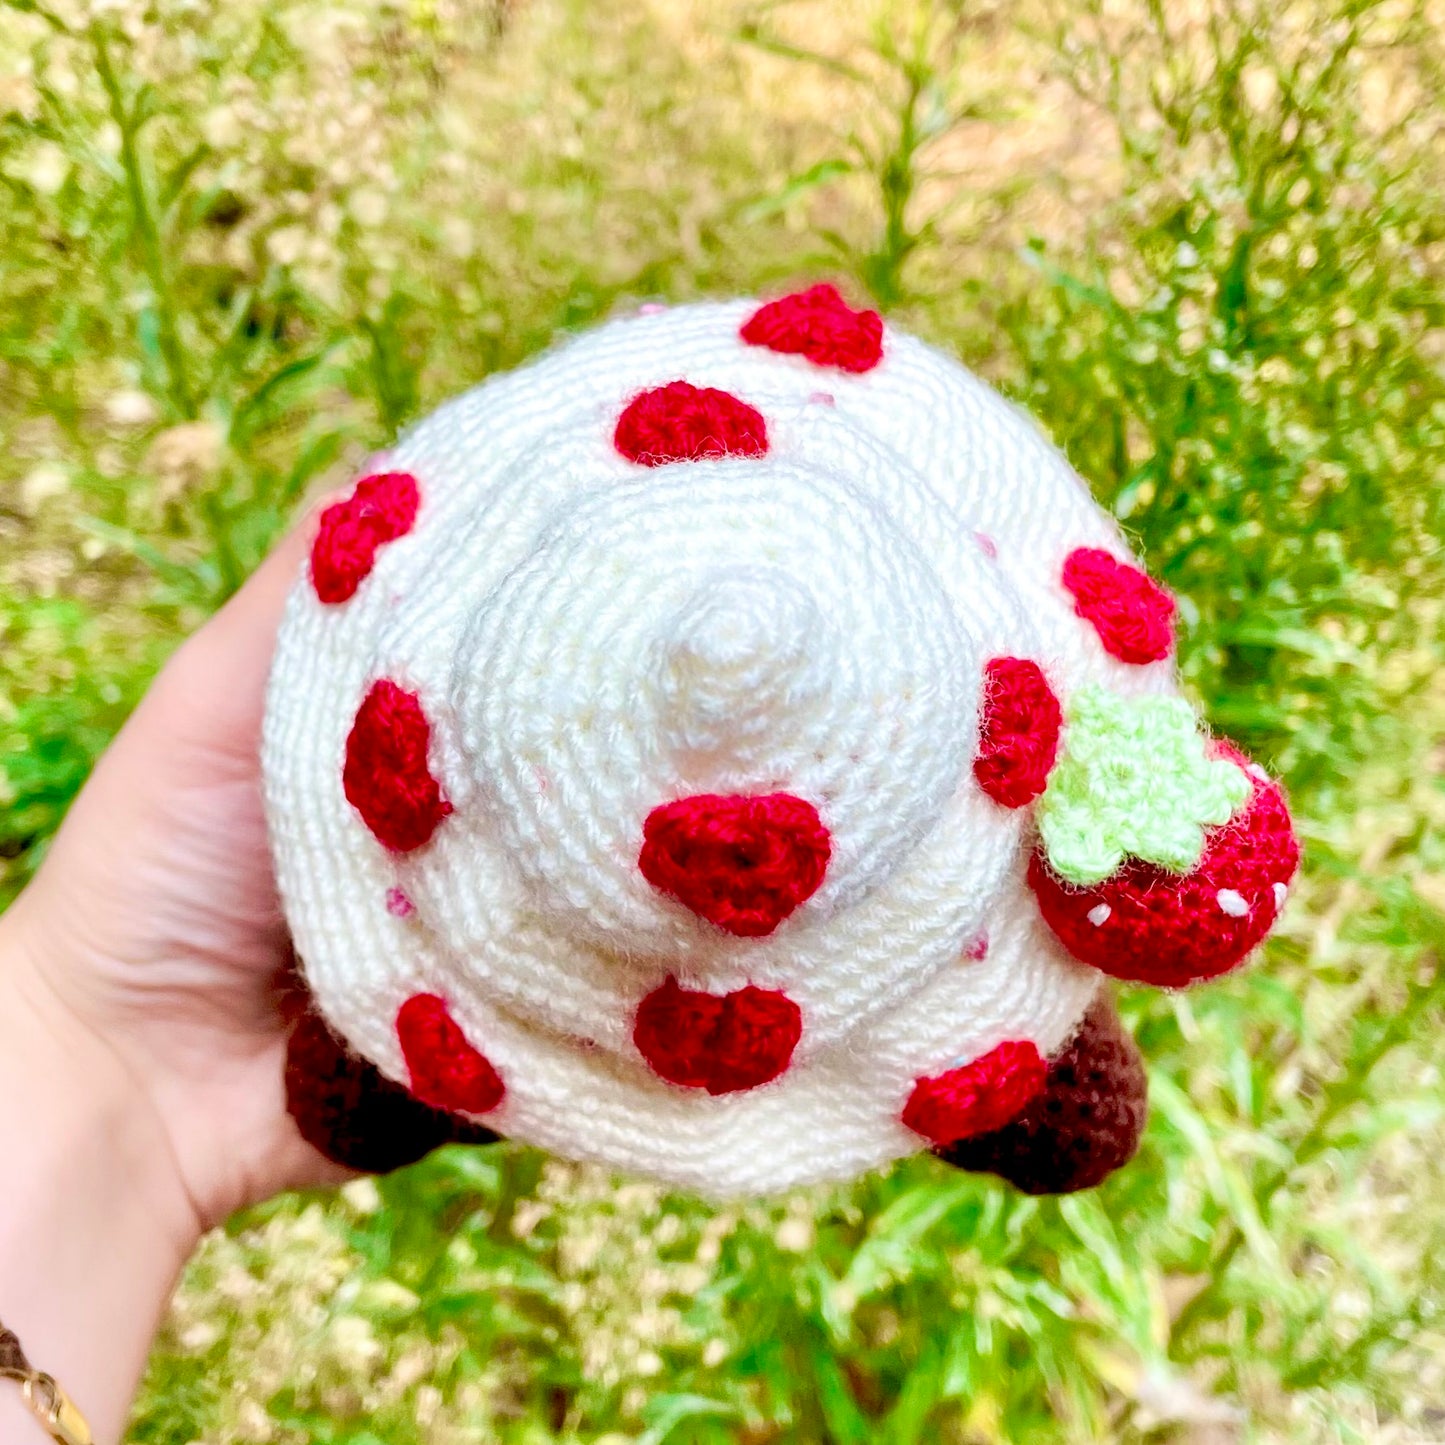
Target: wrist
pixel 94 1222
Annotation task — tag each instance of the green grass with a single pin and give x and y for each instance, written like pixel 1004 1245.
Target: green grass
pixel 241 243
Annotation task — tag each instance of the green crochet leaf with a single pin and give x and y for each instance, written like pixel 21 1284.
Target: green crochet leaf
pixel 1133 780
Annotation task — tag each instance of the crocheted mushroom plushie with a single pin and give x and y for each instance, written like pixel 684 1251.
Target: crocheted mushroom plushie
pixel 734 749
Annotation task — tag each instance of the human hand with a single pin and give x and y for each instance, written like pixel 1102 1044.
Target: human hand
pixel 153 936
pixel 143 976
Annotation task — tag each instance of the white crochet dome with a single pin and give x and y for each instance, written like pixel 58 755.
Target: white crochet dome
pixel 585 639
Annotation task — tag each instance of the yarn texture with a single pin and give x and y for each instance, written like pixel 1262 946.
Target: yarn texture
pixel 684 423
pixel 976 1097
pixel 1135 780
pixel 1018 732
pixel 379 510
pixel 723 1045
pixel 1132 614
pixel 356 1117
pixel 1084 1123
pixel 447 1072
pixel 1150 925
pixel 743 863
pixel 387 777
pixel 820 325
pixel 734 749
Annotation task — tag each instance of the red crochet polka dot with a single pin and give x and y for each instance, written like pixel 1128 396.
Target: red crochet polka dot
pixel 819 324
pixel 446 1071
pixel 1152 926
pixel 1018 732
pixel 1084 1125
pixel 347 1110
pixel 719 1043
pixel 680 422
pixel 977 1097
pixel 381 509
pixel 1133 614
pixel 385 776
pixel 744 863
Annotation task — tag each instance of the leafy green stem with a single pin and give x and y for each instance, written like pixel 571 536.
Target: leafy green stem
pixel 130 118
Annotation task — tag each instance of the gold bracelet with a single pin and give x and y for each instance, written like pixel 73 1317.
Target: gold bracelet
pixel 48 1402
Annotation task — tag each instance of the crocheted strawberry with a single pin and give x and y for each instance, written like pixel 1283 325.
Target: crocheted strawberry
pixel 736 749
pixel 1149 924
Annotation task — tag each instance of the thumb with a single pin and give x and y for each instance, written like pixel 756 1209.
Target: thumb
pixel 212 692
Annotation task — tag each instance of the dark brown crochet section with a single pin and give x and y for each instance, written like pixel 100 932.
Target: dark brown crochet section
pixel 353 1115
pixel 1085 1124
